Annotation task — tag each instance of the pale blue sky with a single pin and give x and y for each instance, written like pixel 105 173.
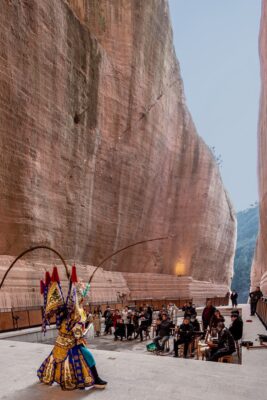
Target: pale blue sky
pixel 216 43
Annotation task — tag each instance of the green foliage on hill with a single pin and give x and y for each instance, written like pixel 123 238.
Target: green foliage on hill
pixel 247 231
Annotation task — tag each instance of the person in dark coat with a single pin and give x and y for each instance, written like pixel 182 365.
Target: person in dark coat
pixel 163 331
pixel 108 321
pixel 150 314
pixel 195 323
pixel 254 298
pixel 185 337
pixel 225 346
pixel 189 309
pixel 207 314
pixel 144 321
pixel 120 329
pixel 216 318
pixel 233 298
pixel 236 327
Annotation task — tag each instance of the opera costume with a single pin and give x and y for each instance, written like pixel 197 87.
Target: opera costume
pixel 70 364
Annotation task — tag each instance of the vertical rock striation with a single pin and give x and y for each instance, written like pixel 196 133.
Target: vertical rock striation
pixel 259 267
pixel 129 166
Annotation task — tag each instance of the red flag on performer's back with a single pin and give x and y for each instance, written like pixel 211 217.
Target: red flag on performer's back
pixel 47 278
pixel 55 276
pixel 74 278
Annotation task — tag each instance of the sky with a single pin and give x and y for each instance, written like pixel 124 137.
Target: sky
pixel 216 43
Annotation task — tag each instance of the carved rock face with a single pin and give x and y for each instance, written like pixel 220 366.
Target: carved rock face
pixel 98 149
pixel 259 268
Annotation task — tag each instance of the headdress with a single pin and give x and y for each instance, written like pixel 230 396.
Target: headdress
pixel 54 303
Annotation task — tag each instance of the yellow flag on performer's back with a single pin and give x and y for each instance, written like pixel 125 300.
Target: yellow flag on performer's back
pixel 54 298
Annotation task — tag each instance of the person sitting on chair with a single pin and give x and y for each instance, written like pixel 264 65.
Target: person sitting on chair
pixel 216 318
pixel 225 345
pixel 186 334
pixel 143 327
pixel 163 332
pixel 195 323
pixel 236 328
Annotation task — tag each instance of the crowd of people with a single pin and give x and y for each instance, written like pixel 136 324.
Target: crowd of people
pixel 133 324
pixel 219 340
pixel 129 323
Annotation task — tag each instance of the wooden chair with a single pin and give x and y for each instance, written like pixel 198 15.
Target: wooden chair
pixel 181 350
pixel 147 333
pixel 167 345
pixel 226 359
pixel 238 351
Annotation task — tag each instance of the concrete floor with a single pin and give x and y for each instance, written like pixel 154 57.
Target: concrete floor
pixel 133 375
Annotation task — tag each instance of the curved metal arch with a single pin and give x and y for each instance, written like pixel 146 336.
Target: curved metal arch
pixel 28 251
pixel 122 249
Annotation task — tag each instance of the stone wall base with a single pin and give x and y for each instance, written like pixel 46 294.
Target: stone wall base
pixel 21 288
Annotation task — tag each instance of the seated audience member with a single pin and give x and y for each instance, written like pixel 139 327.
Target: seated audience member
pixel 207 314
pixel 195 323
pixel 163 331
pixel 196 328
pixel 224 347
pixel 143 327
pixel 236 327
pixel 216 318
pixel 185 336
pixel 120 329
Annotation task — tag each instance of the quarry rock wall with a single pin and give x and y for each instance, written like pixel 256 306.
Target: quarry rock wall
pixel 259 267
pixel 98 148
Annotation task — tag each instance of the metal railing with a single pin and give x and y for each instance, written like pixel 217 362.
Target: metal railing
pixel 30 317
pixel 219 301
pixel 262 310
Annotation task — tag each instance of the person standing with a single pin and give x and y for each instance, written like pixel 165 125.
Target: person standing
pixel 108 320
pixel 254 298
pixel 150 315
pixel 207 314
pixel 97 322
pixel 233 297
pixel 124 316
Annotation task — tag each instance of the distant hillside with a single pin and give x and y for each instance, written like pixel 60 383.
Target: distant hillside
pixel 247 231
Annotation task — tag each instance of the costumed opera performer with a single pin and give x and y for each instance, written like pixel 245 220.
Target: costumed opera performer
pixel 70 364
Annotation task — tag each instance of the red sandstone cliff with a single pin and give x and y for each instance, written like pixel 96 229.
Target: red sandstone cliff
pixel 132 168
pixel 259 268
